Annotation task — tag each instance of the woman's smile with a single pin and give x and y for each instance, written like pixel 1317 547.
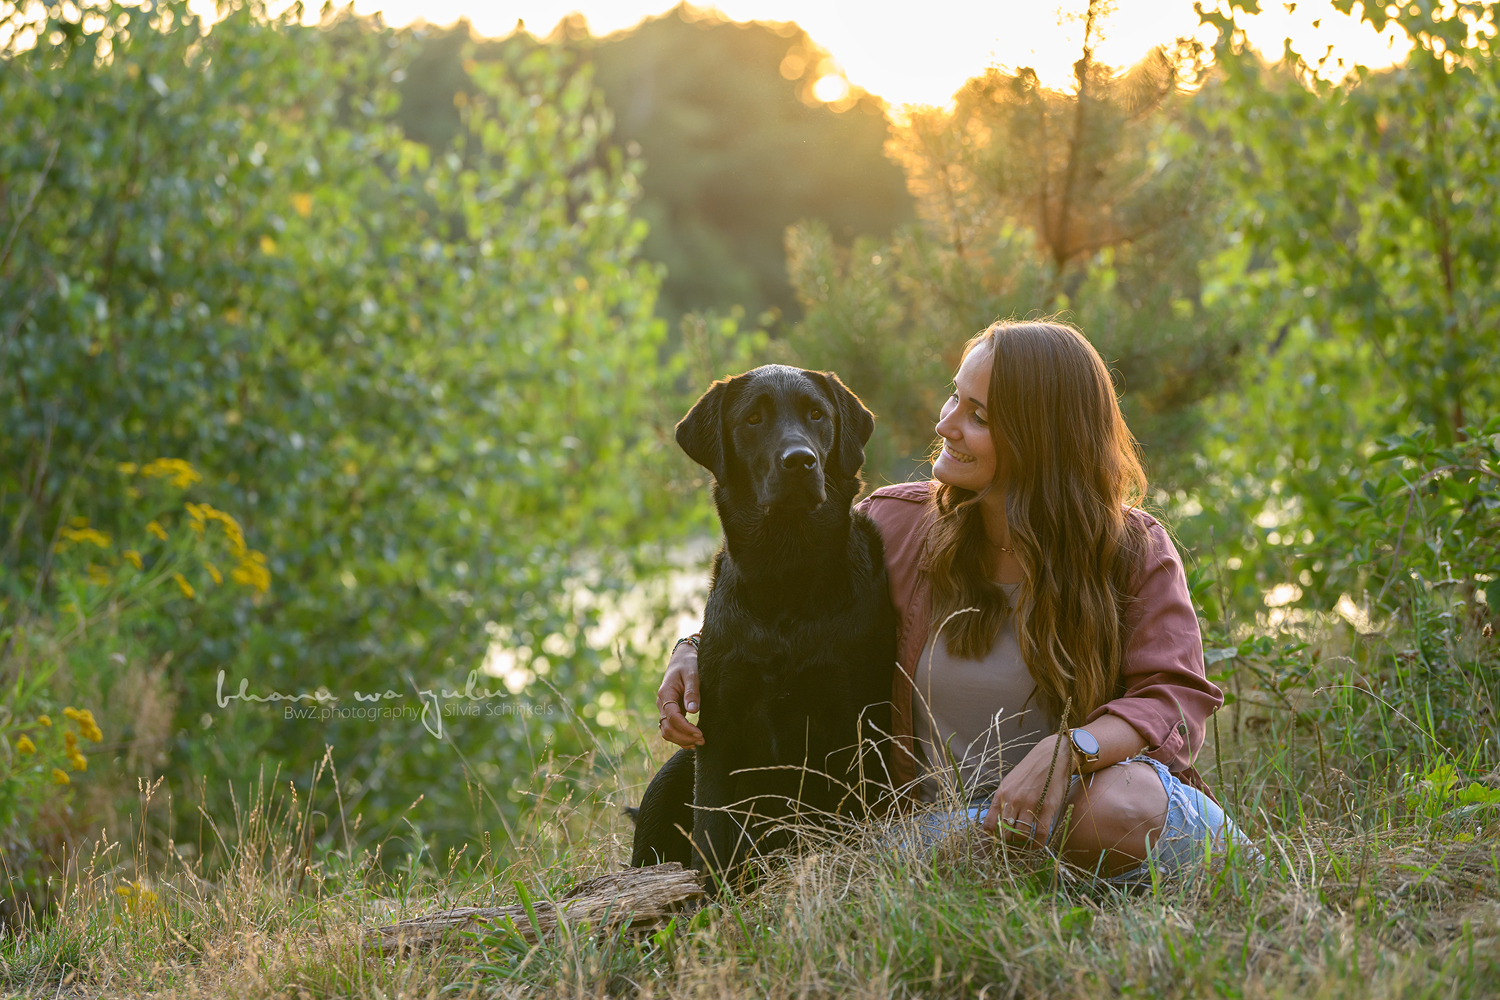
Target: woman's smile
pixel 958 456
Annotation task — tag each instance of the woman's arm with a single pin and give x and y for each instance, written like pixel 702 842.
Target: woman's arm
pixel 1167 698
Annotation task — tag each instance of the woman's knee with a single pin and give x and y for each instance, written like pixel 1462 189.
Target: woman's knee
pixel 1115 811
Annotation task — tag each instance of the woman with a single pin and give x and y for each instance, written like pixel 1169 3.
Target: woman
pixel 1058 603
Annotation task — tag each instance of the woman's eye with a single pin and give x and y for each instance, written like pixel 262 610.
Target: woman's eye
pixel 816 414
pixel 753 418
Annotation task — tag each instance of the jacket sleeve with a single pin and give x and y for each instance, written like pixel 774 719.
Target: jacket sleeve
pixel 1167 697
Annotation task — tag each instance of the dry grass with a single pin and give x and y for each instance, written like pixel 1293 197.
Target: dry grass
pixel 1365 892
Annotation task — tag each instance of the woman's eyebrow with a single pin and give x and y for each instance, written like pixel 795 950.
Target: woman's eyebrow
pixel 977 403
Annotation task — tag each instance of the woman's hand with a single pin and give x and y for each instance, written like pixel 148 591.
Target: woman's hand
pixel 1018 812
pixel 677 696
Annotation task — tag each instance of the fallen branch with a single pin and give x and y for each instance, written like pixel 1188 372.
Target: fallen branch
pixel 634 898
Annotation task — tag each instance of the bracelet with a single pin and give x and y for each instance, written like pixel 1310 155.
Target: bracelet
pixel 690 639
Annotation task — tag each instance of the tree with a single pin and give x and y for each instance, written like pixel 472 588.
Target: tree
pixel 1096 203
pixel 734 145
pixel 1367 209
pixel 427 380
pixel 1364 226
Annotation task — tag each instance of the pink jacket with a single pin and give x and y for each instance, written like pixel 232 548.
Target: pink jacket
pixel 1162 690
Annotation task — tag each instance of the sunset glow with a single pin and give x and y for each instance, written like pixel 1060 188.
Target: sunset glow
pixel 921 53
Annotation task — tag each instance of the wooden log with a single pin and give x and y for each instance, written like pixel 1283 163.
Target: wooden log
pixel 634 898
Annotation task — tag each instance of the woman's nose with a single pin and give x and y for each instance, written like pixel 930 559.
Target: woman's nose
pixel 944 424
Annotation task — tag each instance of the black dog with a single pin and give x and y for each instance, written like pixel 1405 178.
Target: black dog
pixel 799 637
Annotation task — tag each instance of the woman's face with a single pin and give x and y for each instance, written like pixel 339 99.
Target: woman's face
pixel 967 460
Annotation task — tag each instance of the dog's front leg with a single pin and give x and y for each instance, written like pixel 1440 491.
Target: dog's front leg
pixel 717 834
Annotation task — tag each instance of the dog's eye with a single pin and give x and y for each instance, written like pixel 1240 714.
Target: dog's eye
pixel 816 414
pixel 753 418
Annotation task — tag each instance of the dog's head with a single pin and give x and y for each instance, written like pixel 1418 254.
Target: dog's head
pixel 785 432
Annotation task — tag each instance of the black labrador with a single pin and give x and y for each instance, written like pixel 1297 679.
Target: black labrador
pixel 799 637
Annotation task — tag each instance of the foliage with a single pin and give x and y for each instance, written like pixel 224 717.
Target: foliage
pixel 1102 219
pixel 1364 234
pixel 1366 210
pixel 735 146
pixel 114 592
pixel 426 381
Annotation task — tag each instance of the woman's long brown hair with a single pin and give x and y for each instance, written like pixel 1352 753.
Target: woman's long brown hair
pixel 1073 471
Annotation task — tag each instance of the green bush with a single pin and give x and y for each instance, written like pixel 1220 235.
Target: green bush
pixel 428 384
pixel 113 596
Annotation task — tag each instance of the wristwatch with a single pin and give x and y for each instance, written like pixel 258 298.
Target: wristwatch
pixel 1084 745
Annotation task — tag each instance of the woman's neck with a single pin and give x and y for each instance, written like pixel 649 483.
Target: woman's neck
pixel 1006 568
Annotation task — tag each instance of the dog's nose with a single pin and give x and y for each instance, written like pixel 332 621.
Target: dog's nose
pixel 800 457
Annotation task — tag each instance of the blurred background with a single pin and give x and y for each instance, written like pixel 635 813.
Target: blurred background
pixel 340 355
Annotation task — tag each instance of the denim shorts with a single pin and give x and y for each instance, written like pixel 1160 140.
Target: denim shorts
pixel 1195 824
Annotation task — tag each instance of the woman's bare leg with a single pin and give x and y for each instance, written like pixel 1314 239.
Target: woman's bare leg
pixel 1114 810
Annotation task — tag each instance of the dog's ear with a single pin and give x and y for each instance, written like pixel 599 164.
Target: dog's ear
pixel 855 426
pixel 701 432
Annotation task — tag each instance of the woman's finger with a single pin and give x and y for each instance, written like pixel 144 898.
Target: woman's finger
pixel 677 729
pixel 690 685
pixel 670 692
pixel 1012 822
pixel 991 822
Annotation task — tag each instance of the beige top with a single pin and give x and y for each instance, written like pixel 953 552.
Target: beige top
pixel 984 711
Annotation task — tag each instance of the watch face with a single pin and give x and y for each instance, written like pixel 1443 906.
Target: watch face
pixel 1085 742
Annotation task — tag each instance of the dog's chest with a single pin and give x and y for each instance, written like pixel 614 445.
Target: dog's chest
pixel 781 687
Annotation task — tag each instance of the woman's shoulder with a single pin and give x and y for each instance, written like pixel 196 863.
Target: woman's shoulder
pixel 1158 563
pixel 917 492
pixel 900 511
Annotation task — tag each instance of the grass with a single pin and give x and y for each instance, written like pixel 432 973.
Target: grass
pixel 1382 879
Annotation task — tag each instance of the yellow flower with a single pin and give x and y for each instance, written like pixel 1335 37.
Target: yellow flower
pixel 128 468
pixel 181 473
pixel 45 720
pixel 138 898
pixel 24 745
pixel 156 529
pixel 184 586
pixel 79 761
pixel 134 558
pixel 71 713
pixel 70 738
pixel 252 571
pixel 213 571
pixel 98 575
pixel 60 777
pixel 89 535
pixel 302 202
pixel 88 727
pixel 267 245
pixel 202 513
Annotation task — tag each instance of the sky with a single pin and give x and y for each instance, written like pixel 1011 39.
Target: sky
pixel 921 51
